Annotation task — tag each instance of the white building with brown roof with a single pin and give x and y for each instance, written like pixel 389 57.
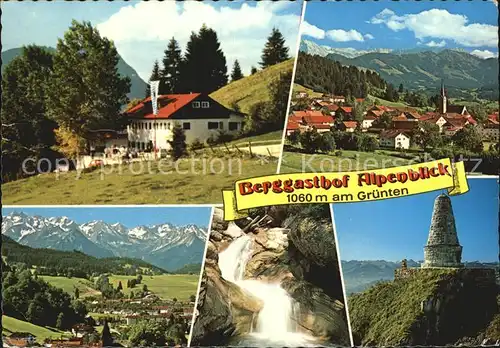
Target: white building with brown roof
pixel 394 139
pixel 199 115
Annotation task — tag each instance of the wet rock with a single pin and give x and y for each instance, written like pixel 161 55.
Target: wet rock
pixel 216 236
pixel 212 252
pixel 318 313
pixel 218 222
pixel 315 240
pixel 225 310
pixel 232 231
pixel 267 265
pixel 312 255
pixel 277 239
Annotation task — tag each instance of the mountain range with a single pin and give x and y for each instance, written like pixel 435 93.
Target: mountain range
pixel 313 48
pixel 417 68
pixel 137 85
pixel 359 275
pixel 165 245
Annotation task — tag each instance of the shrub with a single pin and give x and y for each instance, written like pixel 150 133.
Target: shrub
pixel 224 137
pixel 196 145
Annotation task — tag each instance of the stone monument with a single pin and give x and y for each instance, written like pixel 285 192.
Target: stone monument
pixel 443 248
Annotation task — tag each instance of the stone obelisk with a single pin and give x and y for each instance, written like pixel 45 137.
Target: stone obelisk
pixel 443 248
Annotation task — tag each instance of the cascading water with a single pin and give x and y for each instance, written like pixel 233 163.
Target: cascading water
pixel 275 322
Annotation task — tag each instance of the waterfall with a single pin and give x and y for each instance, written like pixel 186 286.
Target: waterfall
pixel 275 321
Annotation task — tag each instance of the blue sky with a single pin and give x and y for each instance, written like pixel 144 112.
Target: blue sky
pixel 397 228
pixel 470 25
pixel 141 30
pixel 128 216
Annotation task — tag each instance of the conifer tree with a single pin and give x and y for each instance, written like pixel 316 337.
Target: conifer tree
pixel 170 74
pixel 106 338
pixel 236 74
pixel 178 143
pixel 253 70
pixel 155 76
pixel 275 50
pixel 204 68
pixel 120 287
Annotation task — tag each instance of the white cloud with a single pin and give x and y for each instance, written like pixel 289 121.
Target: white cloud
pixel 433 43
pixel 141 31
pixel 312 31
pixel 369 36
pixel 484 54
pixel 340 35
pixel 440 24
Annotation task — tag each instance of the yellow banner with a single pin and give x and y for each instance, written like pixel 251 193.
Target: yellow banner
pixel 360 186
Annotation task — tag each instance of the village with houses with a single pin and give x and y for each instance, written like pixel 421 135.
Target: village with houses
pixel 120 316
pixel 398 130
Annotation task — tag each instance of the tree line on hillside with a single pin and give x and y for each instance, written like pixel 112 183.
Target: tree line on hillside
pixel 326 76
pixel 72 263
pixel 203 67
pixel 29 298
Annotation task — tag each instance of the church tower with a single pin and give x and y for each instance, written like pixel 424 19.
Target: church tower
pixel 442 99
pixel 443 248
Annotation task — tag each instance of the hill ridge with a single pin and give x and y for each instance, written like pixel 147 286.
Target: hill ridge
pixel 137 84
pixel 251 89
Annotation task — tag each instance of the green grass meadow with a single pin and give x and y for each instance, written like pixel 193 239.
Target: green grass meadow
pixel 293 162
pixel 251 89
pixel 10 325
pixel 166 286
pixel 191 180
pixel 69 284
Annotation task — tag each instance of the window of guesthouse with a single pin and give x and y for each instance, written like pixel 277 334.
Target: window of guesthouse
pixel 213 125
pixel 233 126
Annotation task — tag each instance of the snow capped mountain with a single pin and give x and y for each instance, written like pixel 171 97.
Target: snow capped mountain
pixel 165 245
pixel 323 50
pixel 54 233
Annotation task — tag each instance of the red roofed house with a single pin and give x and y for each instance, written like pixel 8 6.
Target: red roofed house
pixel 332 108
pixel 303 120
pixel 368 120
pixel 490 129
pixel 318 119
pixel 338 99
pixel 395 139
pixel 291 127
pixel 348 126
pixel 199 115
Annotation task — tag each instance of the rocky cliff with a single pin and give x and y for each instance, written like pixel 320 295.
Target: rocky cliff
pixel 293 246
pixel 431 307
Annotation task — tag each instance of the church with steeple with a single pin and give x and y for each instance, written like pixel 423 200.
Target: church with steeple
pixel 445 107
pixel 448 117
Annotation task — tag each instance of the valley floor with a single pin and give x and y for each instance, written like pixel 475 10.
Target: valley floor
pixel 165 286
